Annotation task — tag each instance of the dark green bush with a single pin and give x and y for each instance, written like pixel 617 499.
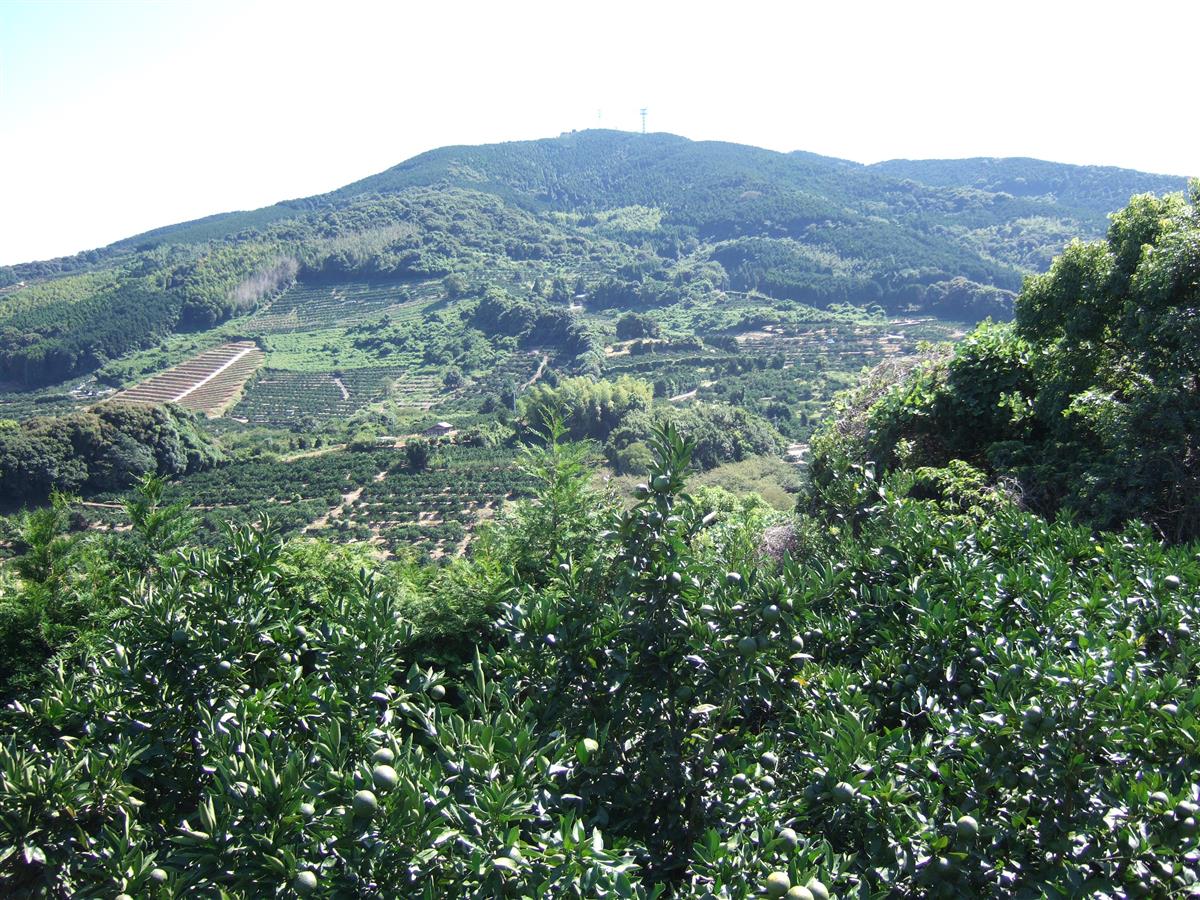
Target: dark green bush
pixel 1090 402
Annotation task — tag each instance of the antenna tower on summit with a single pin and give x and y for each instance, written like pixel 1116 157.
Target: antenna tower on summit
pixel 643 120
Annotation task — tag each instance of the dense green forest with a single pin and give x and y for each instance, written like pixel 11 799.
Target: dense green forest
pixel 961 662
pixel 107 448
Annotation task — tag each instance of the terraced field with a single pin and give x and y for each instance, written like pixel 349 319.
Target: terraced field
pixel 846 346
pixel 54 400
pixel 307 306
pixel 207 383
pixel 436 511
pixel 283 397
pixel 513 372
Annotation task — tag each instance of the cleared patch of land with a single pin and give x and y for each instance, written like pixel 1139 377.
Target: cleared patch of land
pixel 208 382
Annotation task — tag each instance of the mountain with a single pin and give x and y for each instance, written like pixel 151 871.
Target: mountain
pixel 725 190
pixel 1090 192
pixel 950 238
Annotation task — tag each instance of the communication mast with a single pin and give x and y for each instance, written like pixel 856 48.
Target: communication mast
pixel 643 120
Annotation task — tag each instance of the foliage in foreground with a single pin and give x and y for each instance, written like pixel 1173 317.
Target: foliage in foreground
pixel 932 697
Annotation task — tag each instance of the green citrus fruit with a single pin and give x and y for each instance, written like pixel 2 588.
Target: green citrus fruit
pixel 384 777
pixel 366 804
pixel 777 884
pixel 968 828
pixel 305 883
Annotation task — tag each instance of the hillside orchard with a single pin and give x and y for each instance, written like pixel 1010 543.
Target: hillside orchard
pixel 449 594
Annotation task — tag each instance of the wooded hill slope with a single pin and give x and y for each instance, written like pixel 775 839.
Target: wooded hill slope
pixel 953 238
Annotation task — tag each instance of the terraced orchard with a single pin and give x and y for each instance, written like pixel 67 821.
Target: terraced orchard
pixel 208 382
pixel 306 306
pixel 436 511
pixel 282 397
pixel 367 496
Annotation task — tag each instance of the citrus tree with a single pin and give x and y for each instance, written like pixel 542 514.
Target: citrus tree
pixel 931 692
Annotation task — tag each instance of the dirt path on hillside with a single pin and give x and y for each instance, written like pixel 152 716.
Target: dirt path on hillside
pixel 688 395
pixel 191 389
pixel 316 451
pixel 538 374
pixel 796 453
pixel 348 499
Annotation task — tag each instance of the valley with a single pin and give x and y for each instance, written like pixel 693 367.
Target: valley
pixel 612 515
pixel 417 297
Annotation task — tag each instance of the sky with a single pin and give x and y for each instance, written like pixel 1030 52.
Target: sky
pixel 117 117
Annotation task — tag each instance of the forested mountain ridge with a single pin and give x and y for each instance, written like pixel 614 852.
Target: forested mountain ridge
pixel 1089 191
pixel 697 182
pixel 606 169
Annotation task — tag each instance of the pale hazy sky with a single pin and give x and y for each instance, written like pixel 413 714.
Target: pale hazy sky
pixel 117 117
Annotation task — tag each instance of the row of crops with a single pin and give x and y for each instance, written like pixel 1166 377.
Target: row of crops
pixel 784 375
pixel 843 346
pixel 432 508
pixel 283 398
pixel 505 379
pixel 356 495
pixel 304 306
pixel 52 401
pixel 205 383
